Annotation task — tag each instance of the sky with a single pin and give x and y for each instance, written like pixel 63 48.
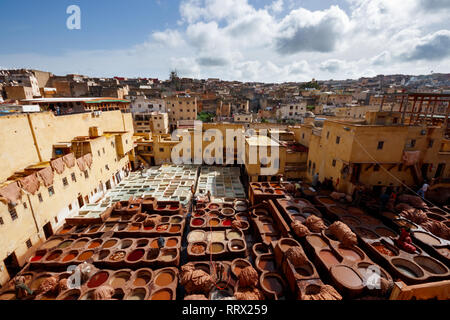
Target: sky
pixel 244 40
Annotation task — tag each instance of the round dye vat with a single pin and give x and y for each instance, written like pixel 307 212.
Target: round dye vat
pixel 168 256
pixel 406 224
pixel 109 244
pixel 164 294
pixel 366 233
pixel 51 244
pixel 95 244
pixel 117 256
pixel 160 207
pixel 298 217
pixel 273 284
pixel 108 227
pixel 305 270
pixel 65 230
pixel 233 235
pixel 120 279
pixel 381 248
pixel 238 265
pixel 137 294
pixel 349 254
pixel 426 238
pixel 316 241
pixel 328 257
pixel 350 221
pixel 431 265
pixel 279 191
pixel 36 258
pixel 261 212
pixel 162 227
pixel 164 278
pixel 198 222
pixel 70 256
pixel 227 211
pixel 226 222
pixel 103 254
pixel 216 236
pixel 217 247
pixel 237 245
pixel 65 244
pixel 147 228
pixel 94 229
pixel 79 244
pixel 126 244
pixel 267 264
pixel 198 248
pixel 142 279
pixel 85 255
pixel 136 255
pixel 53 256
pixel 384 232
pixel 175 228
pixel 134 227
pixel 154 244
pixel 213 206
pixel 347 276
pixel 407 268
pixel 37 282
pixel 98 279
pixel 171 242
pixel 174 207
pixel 445 252
pixel 176 219
pixel 214 222
pixel 195 236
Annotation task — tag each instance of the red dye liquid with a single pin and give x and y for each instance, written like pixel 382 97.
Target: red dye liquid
pixel 36 258
pixel 97 280
pixel 174 207
pixel 161 207
pixel 197 222
pixel 148 228
pixel 226 222
pixel 136 255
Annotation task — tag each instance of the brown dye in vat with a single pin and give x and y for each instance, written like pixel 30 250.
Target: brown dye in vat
pixel 214 222
pixel 109 244
pixel 141 280
pixel 175 220
pixel 198 249
pixel 347 276
pixel 175 228
pixel 164 279
pixel 94 229
pixel 95 244
pixel 298 217
pixel 268 265
pixel 217 247
pixel 162 295
pixel 425 237
pixel 367 234
pixel 53 256
pixel 326 201
pixel 133 228
pixel 171 243
pixel 349 254
pixel 385 232
pixel 120 280
pixel 52 243
pixel 273 284
pixel 328 257
pixel 350 221
pixel 85 255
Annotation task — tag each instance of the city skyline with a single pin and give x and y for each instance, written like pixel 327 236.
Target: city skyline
pixel 262 41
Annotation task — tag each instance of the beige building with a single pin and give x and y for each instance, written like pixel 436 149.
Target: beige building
pixel 181 107
pixel 50 167
pixel 244 118
pixel 19 92
pixel 292 111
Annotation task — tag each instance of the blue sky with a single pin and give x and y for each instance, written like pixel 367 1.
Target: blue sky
pixel 262 40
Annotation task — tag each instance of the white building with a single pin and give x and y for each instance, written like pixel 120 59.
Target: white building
pixel 142 104
pixel 292 111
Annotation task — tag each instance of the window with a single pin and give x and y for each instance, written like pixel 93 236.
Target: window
pixel 56 219
pixel 25 206
pixel 107 167
pixel 29 244
pixel 74 178
pixel 65 182
pixel 328 134
pixel 338 139
pixel 103 149
pixel 70 207
pixel 51 191
pixel 412 143
pixel 400 167
pixel 40 197
pixel 430 144
pixel 376 168
pixel 13 213
pixel 112 144
pixel 161 149
pixel 334 163
pixel 380 145
pixel 98 152
pixel 86 174
pixel 1 221
pixel 303 136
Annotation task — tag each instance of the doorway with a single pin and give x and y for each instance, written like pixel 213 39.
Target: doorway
pixel 440 170
pixel 424 170
pixel 12 265
pixel 48 230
